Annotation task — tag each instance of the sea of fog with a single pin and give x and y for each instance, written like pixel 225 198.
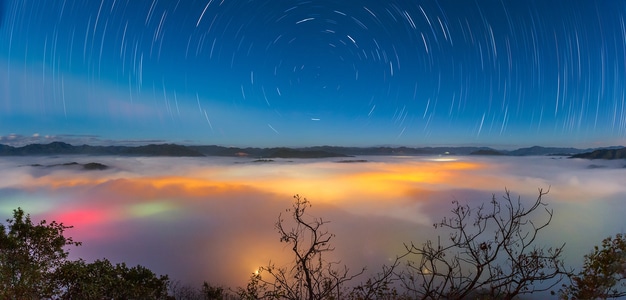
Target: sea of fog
pixel 212 219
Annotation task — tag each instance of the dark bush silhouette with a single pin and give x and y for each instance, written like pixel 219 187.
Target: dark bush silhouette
pixel 30 255
pixel 103 280
pixel 604 272
pixel 34 265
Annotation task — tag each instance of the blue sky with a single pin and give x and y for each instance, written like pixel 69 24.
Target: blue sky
pixel 299 73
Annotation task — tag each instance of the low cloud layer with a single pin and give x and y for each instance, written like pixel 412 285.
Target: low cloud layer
pixel 213 219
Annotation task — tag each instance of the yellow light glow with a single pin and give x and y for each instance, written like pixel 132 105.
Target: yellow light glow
pixel 326 181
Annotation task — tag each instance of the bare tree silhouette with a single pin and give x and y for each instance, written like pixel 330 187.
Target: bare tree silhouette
pixel 490 251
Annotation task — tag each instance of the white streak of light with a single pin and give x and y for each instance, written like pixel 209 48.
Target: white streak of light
pixel 207 119
pixel 203 11
pixel 272 128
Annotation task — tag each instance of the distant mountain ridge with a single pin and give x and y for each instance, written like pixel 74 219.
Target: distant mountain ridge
pixel 603 154
pixel 537 150
pixel 174 150
pixel 60 148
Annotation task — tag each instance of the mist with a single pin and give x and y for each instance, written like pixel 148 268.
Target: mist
pixel 212 219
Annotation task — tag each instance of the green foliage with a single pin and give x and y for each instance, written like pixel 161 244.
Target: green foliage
pixel 604 272
pixel 207 291
pixel 29 256
pixel 210 292
pixel 34 265
pixel 103 280
pixel 255 289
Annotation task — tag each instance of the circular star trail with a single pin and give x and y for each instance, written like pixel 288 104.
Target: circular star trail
pixel 268 73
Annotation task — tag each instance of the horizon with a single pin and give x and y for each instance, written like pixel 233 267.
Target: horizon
pixel 15 140
pixel 495 74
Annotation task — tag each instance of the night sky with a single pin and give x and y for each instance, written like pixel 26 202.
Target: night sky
pixel 298 73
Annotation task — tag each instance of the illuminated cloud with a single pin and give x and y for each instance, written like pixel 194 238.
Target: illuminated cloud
pixel 212 219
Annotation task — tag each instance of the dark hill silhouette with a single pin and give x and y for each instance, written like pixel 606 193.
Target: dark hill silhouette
pixel 295 153
pixel 47 149
pixel 95 166
pixel 538 150
pixel 603 154
pixel 174 150
pixel 268 152
pixel 60 148
pixel 487 152
pixel 92 166
pixel 162 150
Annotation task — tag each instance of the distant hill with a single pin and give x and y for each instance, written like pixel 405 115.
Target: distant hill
pixel 60 148
pixel 92 166
pixel 174 150
pixel 399 151
pixel 603 154
pixel 268 152
pixel 41 149
pixel 298 153
pixel 162 150
pixel 487 152
pixel 537 150
pixel 227 151
pixel 333 151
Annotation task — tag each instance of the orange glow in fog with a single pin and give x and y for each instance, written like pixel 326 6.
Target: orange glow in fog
pixel 327 181
pixel 227 210
pixel 371 184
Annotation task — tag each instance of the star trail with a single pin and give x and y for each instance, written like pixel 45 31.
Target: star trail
pixel 299 73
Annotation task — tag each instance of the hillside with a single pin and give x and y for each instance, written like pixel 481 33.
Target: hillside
pixel 603 154
pixel 174 150
pixel 60 148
